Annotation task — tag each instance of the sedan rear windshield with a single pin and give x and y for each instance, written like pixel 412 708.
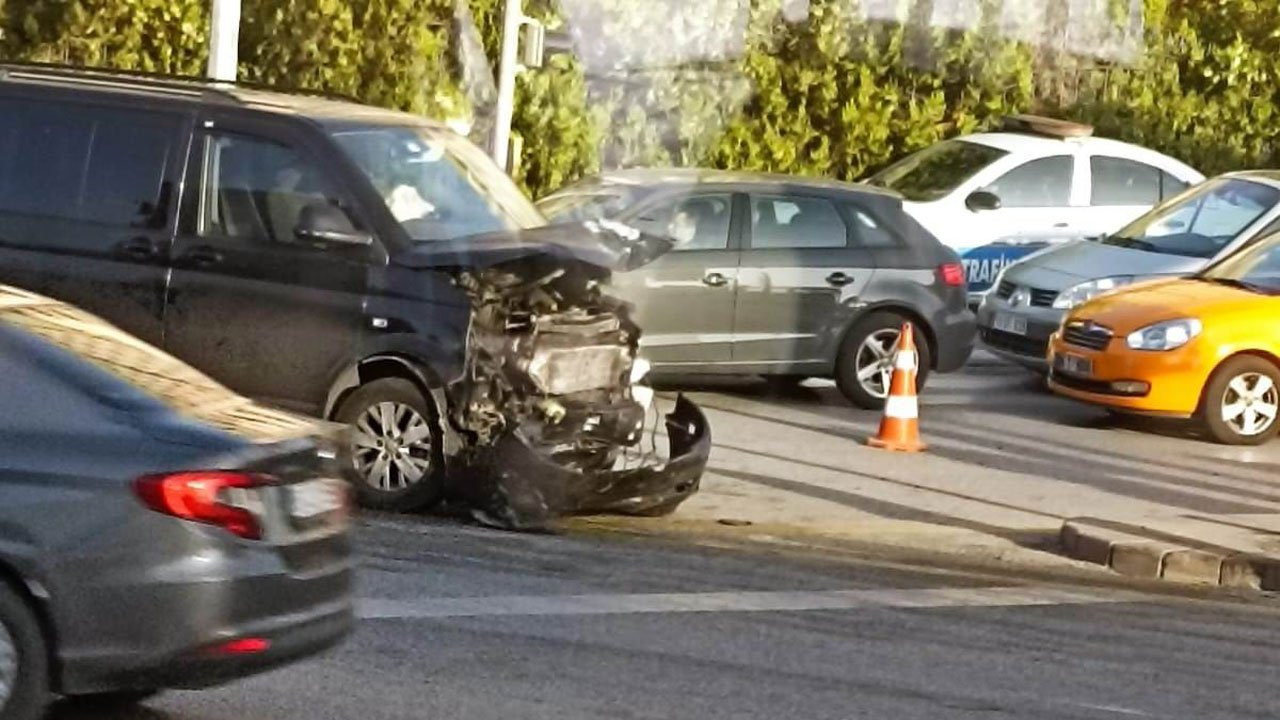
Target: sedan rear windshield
pixel 1202 222
pixel 152 379
pixel 937 170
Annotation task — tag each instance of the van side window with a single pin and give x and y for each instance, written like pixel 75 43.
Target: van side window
pixel 99 165
pixel 255 189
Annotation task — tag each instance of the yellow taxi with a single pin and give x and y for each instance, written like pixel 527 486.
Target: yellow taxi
pixel 1204 347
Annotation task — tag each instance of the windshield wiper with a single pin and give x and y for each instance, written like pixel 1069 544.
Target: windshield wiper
pixel 1127 242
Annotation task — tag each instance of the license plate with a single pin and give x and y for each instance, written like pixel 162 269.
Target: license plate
pixel 313 498
pixel 1074 364
pixel 1011 323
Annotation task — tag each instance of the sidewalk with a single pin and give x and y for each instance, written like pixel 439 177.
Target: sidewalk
pixel 1009 476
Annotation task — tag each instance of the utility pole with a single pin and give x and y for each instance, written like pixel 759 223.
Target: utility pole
pixel 224 40
pixel 512 19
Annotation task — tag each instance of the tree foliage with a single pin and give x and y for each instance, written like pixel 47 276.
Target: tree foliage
pixel 831 92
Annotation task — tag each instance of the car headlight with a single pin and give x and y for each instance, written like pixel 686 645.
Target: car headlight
pixel 1077 294
pixel 1167 335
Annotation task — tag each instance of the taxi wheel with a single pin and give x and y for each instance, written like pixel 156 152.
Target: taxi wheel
pixel 24 660
pixel 1242 401
pixel 397 446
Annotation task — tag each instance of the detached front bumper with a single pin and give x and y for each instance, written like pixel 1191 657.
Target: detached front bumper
pixel 522 488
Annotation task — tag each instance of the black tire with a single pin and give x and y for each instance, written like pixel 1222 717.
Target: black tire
pixel 29 694
pixel 1218 392
pixel 111 701
pixel 846 372
pixel 415 495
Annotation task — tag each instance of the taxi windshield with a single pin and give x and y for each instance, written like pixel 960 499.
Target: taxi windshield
pixel 1201 222
pixel 437 185
pixel 1256 267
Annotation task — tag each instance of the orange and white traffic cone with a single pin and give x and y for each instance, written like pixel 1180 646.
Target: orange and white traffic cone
pixel 900 427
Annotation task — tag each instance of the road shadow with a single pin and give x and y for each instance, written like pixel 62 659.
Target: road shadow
pixel 72 710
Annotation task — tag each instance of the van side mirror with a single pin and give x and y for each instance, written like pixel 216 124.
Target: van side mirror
pixel 982 200
pixel 326 223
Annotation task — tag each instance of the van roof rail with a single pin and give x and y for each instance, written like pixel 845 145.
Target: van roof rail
pixel 1051 127
pixel 155 80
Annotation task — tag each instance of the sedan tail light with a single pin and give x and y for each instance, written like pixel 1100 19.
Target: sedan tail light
pixel 222 498
pixel 952 274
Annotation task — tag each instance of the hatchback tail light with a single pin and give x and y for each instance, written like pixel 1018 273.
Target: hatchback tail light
pixel 952 274
pixel 221 498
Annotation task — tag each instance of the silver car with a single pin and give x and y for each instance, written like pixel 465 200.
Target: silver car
pixel 1178 237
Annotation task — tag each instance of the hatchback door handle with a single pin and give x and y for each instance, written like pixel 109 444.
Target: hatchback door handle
pixel 202 256
pixel 715 279
pixel 840 279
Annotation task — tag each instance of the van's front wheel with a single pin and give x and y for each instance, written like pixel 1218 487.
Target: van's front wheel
pixel 397 445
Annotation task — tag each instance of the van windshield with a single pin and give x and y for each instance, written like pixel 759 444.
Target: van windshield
pixel 437 184
pixel 1201 222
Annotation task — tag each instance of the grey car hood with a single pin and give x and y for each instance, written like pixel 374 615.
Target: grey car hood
pixel 604 244
pixel 1061 266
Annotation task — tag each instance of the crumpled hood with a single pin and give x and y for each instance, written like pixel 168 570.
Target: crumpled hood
pixel 604 244
pixel 1061 266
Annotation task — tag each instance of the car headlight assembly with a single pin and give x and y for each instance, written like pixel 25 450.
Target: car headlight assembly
pixel 1085 291
pixel 1168 335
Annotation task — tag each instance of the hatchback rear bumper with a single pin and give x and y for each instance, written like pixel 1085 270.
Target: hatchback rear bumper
pixel 955 334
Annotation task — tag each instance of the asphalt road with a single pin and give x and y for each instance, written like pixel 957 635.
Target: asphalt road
pixel 461 622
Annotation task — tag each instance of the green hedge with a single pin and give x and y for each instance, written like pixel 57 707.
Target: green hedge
pixel 834 95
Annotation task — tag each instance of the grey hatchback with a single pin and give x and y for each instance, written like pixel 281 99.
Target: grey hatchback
pixel 781 276
pixel 156 529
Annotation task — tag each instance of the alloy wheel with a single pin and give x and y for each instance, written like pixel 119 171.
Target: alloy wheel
pixel 874 361
pixel 392 446
pixel 1250 404
pixel 8 665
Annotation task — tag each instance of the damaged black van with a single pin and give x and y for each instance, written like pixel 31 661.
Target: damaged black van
pixel 355 264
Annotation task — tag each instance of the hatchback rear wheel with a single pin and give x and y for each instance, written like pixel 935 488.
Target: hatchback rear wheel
pixel 864 365
pixel 396 450
pixel 24 660
pixel 1241 402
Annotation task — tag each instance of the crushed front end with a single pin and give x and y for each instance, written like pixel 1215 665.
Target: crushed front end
pixel 553 410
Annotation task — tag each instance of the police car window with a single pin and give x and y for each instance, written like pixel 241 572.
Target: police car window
pixel 1040 183
pixel 795 222
pixel 1171 186
pixel 1117 181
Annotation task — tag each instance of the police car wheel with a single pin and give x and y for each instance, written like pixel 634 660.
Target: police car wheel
pixel 864 365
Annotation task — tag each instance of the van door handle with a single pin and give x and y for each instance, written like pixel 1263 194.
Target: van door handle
pixel 715 279
pixel 840 279
pixel 140 249
pixel 203 256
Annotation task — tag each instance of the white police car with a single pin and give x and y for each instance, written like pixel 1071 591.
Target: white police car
pixel 994 197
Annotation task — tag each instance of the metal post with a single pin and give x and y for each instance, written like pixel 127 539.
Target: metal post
pixel 512 18
pixel 224 40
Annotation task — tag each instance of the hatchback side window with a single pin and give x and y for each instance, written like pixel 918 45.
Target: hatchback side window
pixel 1117 181
pixel 699 222
pixel 99 165
pixel 779 222
pixel 1040 183
pixel 255 189
pixel 869 232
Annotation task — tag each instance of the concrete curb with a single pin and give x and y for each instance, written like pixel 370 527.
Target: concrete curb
pixel 1129 551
